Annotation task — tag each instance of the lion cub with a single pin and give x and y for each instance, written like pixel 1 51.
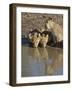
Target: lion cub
pixel 56 28
pixel 35 39
pixel 44 40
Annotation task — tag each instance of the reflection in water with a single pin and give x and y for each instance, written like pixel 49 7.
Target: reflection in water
pixel 41 61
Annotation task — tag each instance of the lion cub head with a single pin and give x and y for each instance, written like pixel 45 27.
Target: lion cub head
pixel 50 24
pixel 35 39
pixel 44 40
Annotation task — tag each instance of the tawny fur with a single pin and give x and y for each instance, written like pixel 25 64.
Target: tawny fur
pixel 56 28
pixel 44 40
pixel 35 39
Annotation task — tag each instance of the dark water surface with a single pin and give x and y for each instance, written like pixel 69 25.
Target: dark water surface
pixel 41 61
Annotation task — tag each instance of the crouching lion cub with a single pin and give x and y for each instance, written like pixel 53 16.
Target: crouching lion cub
pixel 35 39
pixel 44 40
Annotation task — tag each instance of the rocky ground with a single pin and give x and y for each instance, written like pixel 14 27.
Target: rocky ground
pixel 31 21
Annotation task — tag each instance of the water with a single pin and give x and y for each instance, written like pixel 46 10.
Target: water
pixel 41 61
